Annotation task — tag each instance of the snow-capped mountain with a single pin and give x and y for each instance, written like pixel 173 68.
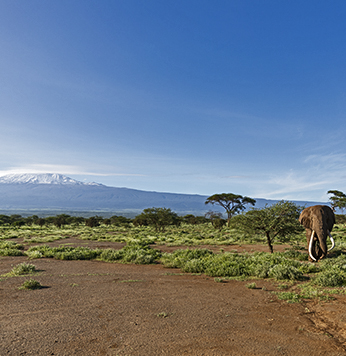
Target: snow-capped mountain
pixel 42 178
pixel 56 192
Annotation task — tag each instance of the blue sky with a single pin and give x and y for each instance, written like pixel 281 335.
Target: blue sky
pixel 184 96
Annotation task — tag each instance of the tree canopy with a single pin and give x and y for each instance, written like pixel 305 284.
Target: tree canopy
pixel 232 203
pixel 158 217
pixel 278 221
pixel 338 199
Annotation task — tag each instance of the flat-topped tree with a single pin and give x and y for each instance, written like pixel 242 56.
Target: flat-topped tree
pixel 338 200
pixel 232 203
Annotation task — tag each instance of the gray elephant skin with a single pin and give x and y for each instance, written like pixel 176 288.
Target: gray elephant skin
pixel 318 221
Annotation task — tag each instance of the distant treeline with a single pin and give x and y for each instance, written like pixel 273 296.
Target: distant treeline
pixel 93 221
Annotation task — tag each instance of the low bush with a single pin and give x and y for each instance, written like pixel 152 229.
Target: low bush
pixel 261 265
pixel 34 254
pixel 31 284
pixel 132 253
pixel 290 297
pixel 334 277
pixel 295 254
pixel 284 271
pixel 64 252
pixel 227 265
pixel 333 272
pixel 22 269
pixel 10 248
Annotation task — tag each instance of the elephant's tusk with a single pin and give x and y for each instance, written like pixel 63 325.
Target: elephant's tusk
pixel 310 245
pixel 332 241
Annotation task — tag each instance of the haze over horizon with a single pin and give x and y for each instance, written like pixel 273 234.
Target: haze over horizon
pixel 195 97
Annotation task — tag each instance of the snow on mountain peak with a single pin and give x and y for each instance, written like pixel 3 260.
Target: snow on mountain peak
pixel 42 178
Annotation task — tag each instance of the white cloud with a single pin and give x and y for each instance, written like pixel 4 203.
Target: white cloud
pixel 311 181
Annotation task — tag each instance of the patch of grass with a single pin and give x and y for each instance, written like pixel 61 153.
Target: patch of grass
pixel 334 277
pixel 10 248
pixel 295 254
pixel 31 284
pixel 131 281
pixel 284 271
pixel 251 285
pixel 179 258
pixel 162 315
pixel 23 268
pixel 226 264
pixel 44 239
pixel 64 252
pixel 132 253
pixel 282 286
pixel 290 297
pixel 220 280
pixel 34 254
pixel 20 270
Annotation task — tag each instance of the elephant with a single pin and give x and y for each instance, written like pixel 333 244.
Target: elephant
pixel 318 221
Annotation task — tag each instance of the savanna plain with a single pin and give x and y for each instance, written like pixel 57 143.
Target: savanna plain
pixel 192 289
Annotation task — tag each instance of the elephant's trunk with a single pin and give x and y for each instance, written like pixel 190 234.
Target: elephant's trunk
pixel 322 233
pixel 311 244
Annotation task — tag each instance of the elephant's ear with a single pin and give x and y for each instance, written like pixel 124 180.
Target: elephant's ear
pixel 333 219
pixel 305 221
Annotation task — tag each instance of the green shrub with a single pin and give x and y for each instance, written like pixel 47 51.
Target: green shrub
pixel 194 266
pixel 132 253
pixel 179 258
pixel 76 253
pixel 31 284
pixel 227 265
pixel 45 251
pixel 262 265
pixel 65 252
pixel 261 270
pixel 339 262
pixel 10 248
pixel 294 254
pixel 23 268
pixel 335 277
pixel 34 254
pixel 290 297
pixel 285 272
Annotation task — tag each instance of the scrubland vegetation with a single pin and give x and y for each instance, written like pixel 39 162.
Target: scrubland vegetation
pixel 143 239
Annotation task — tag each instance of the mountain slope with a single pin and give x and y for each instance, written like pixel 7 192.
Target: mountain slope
pixel 55 191
pixel 58 192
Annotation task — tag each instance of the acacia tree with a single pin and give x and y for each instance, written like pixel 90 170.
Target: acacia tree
pixel 338 199
pixel 232 203
pixel 159 218
pixel 278 221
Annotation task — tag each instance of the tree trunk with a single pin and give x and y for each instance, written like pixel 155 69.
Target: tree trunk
pixel 269 243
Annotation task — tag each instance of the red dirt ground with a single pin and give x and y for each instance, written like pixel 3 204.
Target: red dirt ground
pixel 98 308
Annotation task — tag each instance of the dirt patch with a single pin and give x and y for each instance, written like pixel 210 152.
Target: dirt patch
pixel 98 308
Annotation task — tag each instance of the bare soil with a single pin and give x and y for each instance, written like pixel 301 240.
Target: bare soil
pixel 98 308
